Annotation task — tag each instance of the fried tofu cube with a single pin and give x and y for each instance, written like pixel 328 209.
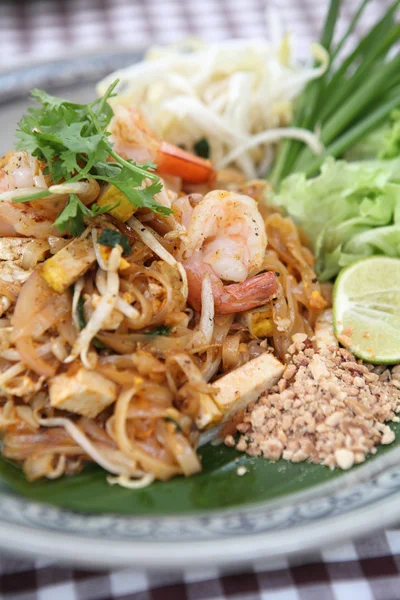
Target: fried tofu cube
pixel 86 393
pixel 246 383
pixel 64 268
pixel 113 196
pixel 209 414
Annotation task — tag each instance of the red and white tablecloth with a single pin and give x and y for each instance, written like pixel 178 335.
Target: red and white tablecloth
pixel 46 29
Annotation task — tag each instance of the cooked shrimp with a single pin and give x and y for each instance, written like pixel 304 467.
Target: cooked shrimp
pixel 19 171
pixel 133 138
pixel 228 232
pixel 233 298
pixel 226 239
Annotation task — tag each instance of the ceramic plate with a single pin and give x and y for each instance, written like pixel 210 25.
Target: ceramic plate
pixel 346 506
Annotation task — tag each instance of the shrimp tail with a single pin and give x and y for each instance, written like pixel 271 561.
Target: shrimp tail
pixel 236 297
pixel 134 138
pixel 249 294
pixel 172 160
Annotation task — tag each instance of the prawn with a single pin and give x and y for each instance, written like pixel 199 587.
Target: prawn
pixel 133 138
pixel 236 297
pixel 226 240
pixel 23 172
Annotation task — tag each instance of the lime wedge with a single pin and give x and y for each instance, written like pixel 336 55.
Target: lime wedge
pixel 366 309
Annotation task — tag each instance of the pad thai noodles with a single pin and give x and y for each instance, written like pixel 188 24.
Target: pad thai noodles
pixel 135 280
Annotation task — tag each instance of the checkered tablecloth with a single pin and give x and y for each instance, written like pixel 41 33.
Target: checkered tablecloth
pixel 46 29
pixel 363 570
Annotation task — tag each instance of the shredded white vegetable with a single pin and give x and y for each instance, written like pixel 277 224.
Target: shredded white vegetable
pixel 271 136
pixel 58 349
pixel 5 304
pixel 152 242
pixel 143 480
pixel 73 187
pixel 233 93
pixel 83 441
pixel 207 310
pixel 127 309
pixel 99 257
pixel 102 311
pixel 75 300
pixel 58 469
pixel 12 372
pixel 11 354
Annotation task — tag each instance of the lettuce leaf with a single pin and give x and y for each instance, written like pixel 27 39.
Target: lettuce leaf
pixel 391 138
pixel 383 143
pixel 350 211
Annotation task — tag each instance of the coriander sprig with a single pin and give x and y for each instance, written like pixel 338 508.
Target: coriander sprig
pixel 72 216
pixel 73 141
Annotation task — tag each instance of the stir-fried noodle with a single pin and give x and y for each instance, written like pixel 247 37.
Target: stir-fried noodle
pixel 108 355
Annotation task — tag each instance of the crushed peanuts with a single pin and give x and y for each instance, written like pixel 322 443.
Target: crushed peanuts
pixel 327 408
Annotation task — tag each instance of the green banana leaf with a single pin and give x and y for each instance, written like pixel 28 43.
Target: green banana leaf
pixel 218 486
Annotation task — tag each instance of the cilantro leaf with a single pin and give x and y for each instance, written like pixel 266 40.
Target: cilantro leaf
pixel 52 101
pixel 69 161
pixel 111 237
pixel 71 217
pixel 128 185
pixel 70 137
pixel 73 142
pixel 27 141
pixel 100 210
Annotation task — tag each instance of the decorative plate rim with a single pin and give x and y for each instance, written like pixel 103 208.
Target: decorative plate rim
pixel 229 551
pixel 314 531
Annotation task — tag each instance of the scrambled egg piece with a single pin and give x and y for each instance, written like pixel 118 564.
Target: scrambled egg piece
pixel 259 321
pixel 86 392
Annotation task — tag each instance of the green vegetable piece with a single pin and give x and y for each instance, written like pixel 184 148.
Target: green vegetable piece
pixel 72 216
pixel 111 237
pixel 391 138
pixel 73 141
pixel 160 330
pixel 354 96
pixel 350 211
pixel 202 148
